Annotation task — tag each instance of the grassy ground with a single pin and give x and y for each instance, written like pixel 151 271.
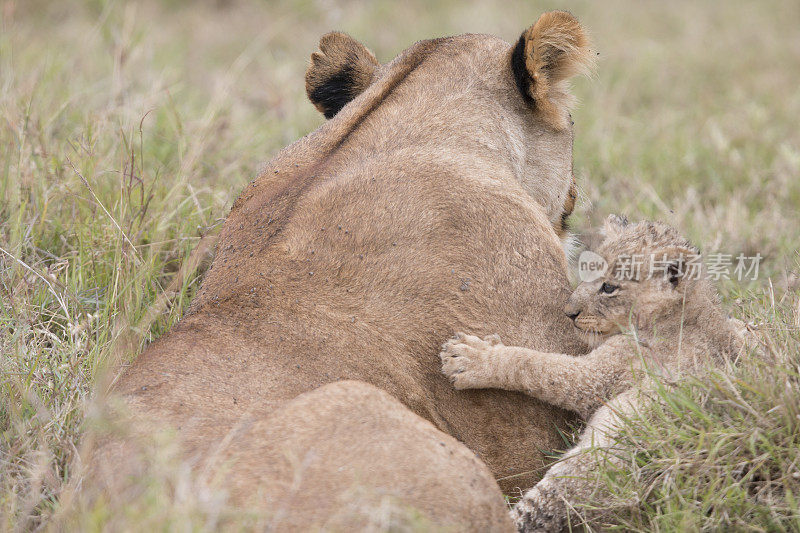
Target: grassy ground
pixel 128 128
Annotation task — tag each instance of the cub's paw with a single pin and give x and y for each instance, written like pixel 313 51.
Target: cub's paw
pixel 539 512
pixel 467 360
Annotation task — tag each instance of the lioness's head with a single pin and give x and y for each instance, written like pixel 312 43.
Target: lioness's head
pixel 651 274
pixel 509 101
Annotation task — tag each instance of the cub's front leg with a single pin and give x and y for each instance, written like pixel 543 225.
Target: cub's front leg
pixel 578 383
pixel 471 362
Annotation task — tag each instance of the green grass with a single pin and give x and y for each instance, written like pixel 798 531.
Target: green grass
pixel 717 452
pixel 128 128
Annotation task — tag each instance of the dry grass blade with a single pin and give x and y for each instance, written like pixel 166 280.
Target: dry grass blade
pixel 674 126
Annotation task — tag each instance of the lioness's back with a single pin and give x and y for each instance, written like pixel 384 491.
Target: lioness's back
pixel 431 201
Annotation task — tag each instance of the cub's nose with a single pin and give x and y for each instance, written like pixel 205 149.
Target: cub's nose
pixel 572 314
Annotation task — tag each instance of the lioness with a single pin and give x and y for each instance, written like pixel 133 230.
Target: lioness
pixel 658 318
pixel 306 367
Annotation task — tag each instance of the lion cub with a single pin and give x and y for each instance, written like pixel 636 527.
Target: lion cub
pixel 653 312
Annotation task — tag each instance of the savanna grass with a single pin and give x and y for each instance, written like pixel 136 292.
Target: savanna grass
pixel 128 128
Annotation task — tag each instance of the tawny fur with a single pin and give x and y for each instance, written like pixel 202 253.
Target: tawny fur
pixel 651 327
pixel 427 203
pixel 557 48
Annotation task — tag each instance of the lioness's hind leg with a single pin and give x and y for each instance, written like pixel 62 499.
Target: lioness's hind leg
pixel 349 456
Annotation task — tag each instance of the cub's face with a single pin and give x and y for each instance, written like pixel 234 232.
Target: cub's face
pixel 509 101
pixel 645 280
pixel 609 305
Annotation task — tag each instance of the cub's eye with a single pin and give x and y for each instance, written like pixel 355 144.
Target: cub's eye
pixel 608 288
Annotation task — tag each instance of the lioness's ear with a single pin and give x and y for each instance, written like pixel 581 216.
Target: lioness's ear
pixel 339 72
pixel 545 57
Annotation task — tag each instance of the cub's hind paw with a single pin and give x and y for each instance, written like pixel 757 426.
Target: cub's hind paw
pixel 537 512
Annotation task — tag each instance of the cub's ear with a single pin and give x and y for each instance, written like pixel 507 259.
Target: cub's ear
pixel 339 72
pixel 613 225
pixel 545 57
pixel 677 263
